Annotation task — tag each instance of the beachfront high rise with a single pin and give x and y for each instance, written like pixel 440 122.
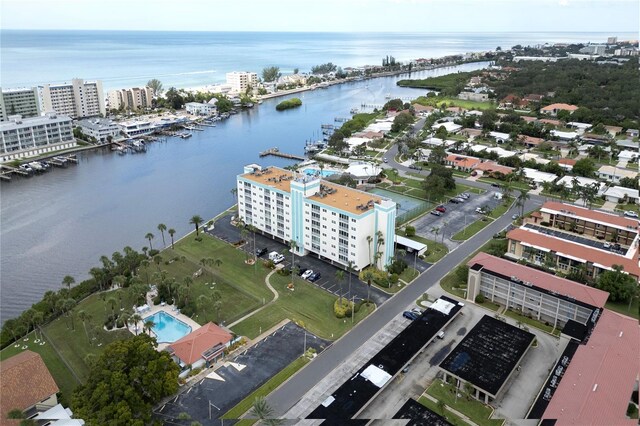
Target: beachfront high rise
pixel 26 137
pixel 77 99
pixel 334 222
pixel 130 99
pixel 241 80
pixel 19 101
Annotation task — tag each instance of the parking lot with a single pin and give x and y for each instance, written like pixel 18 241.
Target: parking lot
pixel 223 389
pixel 455 219
pixel 227 232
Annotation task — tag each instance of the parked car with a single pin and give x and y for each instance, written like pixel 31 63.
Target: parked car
pixel 314 277
pixel 441 208
pixel 440 335
pixel 514 217
pixel 276 257
pixel 547 394
pixel 464 195
pixel 630 213
pixel 460 199
pixel 479 210
pixel 417 311
pixel 436 213
pixel 384 160
pixel 410 315
pixel 606 245
pixel 261 251
pixel 406 368
pixel 495 185
pixel 307 274
pixel 301 271
pixel 474 173
pixel 455 201
pixel 415 167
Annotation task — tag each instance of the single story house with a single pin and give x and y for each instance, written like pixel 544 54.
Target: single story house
pixel 626 155
pixel 633 133
pixel 535 157
pixel 564 136
pixel 491 168
pixel 567 163
pixel 538 177
pixel 567 181
pixel 461 162
pixel 500 137
pixel 595 139
pixel 628 144
pixel 363 171
pixel 500 151
pixel 26 385
pixel 529 141
pixel 553 109
pixel 471 133
pixel 614 174
pixel 203 346
pixel 580 127
pixel 613 130
pixel 617 193
pixel 550 122
pixel 449 126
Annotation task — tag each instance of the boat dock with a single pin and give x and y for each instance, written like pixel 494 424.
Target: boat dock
pixel 276 153
pixel 29 168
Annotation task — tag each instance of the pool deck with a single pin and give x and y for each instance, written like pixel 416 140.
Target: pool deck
pixel 169 309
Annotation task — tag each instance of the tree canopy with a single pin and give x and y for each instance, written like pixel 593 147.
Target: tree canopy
pixel 156 86
pixel 619 285
pixel 584 167
pixel 324 68
pixel 270 74
pixel 125 382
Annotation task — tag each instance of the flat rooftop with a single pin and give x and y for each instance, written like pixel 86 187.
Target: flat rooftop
pixel 488 354
pixel 596 216
pixel 333 195
pixel 600 378
pixel 357 391
pixel 418 414
pixel 549 282
pixel 576 251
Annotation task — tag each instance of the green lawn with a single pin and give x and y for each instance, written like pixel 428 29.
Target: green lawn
pixel 474 409
pixel 623 308
pixel 307 305
pixel 620 208
pixel 528 321
pixel 409 275
pixel 514 185
pixel 61 374
pixel 264 390
pixel 451 284
pixel 472 229
pixel 435 251
pixel 451 418
pixel 490 305
pixel 501 208
pixel 447 101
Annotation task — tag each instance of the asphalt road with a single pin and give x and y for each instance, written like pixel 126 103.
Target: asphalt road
pixel 290 392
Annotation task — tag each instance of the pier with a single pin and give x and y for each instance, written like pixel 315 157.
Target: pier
pixel 276 153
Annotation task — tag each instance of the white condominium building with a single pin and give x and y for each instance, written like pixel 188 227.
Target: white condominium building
pixel 134 98
pixel 22 102
pixel 35 135
pixel 332 221
pixel 240 80
pixel 77 99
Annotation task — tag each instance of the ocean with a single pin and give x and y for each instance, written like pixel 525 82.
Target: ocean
pixel 124 59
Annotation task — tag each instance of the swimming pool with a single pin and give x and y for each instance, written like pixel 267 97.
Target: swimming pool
pixel 167 328
pixel 325 173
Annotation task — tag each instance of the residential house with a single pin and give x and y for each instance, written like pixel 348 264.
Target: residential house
pixel 461 162
pixel 471 134
pixel 529 141
pixel 493 169
pixel 500 137
pixel 550 122
pixel 567 163
pixel 204 108
pixel 449 126
pixel 618 194
pixel 26 385
pixel 203 346
pixel 613 130
pixel 614 174
pixel 553 109
pixel 510 102
pixel 102 129
pixel 633 133
pixel 422 109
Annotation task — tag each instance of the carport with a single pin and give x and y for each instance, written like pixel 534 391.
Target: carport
pixel 411 245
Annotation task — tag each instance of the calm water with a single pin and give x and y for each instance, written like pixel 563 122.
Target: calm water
pixel 188 59
pixel 61 223
pixel 167 328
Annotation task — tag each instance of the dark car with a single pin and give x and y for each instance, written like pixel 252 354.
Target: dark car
pixel 314 277
pixel 410 315
pixel 301 271
pixel 495 185
pixel 455 201
pixel 261 251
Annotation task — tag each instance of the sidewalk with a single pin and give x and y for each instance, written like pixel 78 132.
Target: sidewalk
pixel 275 297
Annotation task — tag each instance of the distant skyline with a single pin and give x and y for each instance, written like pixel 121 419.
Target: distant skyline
pixel 613 16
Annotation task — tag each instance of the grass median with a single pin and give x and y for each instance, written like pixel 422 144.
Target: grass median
pixel 472 229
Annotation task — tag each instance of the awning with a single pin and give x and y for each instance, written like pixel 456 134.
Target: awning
pixel 412 244
pixel 376 375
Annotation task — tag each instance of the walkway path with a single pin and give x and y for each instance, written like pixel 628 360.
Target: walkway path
pixel 275 297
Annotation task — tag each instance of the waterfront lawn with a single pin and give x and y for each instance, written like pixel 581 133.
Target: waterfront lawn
pixel 472 229
pixel 307 305
pixel 77 346
pixel 478 412
pixel 61 374
pixel 438 101
pixel 247 403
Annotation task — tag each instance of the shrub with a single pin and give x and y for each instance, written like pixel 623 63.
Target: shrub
pixel 462 273
pixel 342 307
pixel 119 323
pixel 409 231
pixel 153 252
pixel 480 298
pixel 269 264
pixel 156 300
pixel 393 278
pixel 544 224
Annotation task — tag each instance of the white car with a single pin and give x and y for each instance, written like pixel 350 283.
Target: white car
pixel 306 274
pixel 630 213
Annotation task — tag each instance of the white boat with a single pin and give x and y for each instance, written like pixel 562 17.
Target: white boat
pixel 186 135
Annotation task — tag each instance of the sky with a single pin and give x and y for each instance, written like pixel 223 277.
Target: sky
pixel 614 16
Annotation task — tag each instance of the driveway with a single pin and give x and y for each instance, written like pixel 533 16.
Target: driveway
pixel 223 388
pixel 455 219
pixel 226 231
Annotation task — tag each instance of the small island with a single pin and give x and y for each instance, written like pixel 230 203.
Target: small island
pixel 288 104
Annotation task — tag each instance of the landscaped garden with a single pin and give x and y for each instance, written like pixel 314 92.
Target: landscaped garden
pixel 478 412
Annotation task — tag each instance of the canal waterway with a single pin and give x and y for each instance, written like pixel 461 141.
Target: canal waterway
pixel 60 223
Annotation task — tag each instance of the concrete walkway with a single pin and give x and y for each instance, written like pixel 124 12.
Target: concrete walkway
pixel 275 297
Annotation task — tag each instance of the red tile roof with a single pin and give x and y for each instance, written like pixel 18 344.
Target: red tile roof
pixel 597 385
pixel 593 215
pixel 418 107
pixel 490 166
pixel 550 282
pixel 462 161
pixel 565 107
pixel 24 382
pixel 190 348
pixel 549 121
pixel 531 140
pixel 567 161
pixel 565 247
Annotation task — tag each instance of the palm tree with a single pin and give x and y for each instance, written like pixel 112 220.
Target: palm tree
pixel 350 266
pixel 148 325
pixel 67 306
pixel 162 227
pixel 135 319
pixel 293 245
pixel 522 200
pixel 435 231
pixel 234 192
pixel 202 303
pixel 379 243
pixel 149 237
pixel 196 221
pixel 84 317
pixel 187 281
pixel 367 275
pixel 263 411
pixel 171 232
pixel 369 241
pixel 112 301
pixel 340 278
pixel 68 280
pixel 37 319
